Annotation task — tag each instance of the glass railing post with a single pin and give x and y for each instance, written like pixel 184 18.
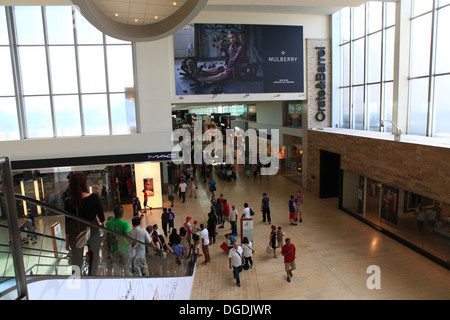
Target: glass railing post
pixel 13 223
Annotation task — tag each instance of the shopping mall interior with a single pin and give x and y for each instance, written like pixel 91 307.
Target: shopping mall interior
pixel 343 101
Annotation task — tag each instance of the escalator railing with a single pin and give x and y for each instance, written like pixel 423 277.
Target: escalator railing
pixel 48 241
pixel 26 253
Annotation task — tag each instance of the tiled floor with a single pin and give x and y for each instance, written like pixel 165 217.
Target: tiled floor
pixel 334 251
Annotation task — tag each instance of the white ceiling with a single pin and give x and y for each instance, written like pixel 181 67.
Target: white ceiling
pixel 146 10
pixel 137 12
pixel 144 20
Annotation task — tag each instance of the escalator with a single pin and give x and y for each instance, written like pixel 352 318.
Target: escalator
pixel 35 265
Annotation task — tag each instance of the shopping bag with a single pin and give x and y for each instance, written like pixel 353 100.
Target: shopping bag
pixel 224 247
pixel 83 238
pixel 269 250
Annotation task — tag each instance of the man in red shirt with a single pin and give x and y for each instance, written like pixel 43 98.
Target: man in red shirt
pixel 226 212
pixel 288 252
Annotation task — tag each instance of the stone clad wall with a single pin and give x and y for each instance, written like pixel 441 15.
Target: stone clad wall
pixel 417 168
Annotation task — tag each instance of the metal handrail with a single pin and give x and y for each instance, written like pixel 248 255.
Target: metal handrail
pixel 30 250
pixel 30 269
pixel 72 216
pixel 15 238
pixel 16 245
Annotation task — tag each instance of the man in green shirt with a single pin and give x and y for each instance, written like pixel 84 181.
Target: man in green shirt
pixel 119 245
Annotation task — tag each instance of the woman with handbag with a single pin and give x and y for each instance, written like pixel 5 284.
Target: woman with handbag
pixel 248 253
pixel 87 206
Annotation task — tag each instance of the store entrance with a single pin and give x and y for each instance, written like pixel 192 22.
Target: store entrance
pixel 330 164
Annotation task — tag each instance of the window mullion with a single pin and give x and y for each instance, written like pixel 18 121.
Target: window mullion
pixel 108 100
pixel 49 77
pixel 350 73
pixel 383 54
pixel 431 71
pixel 365 87
pixel 77 66
pixel 12 35
pixel 136 96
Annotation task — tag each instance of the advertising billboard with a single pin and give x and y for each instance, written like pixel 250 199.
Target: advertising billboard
pixel 237 58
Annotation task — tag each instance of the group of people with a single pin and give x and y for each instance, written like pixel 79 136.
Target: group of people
pixel 276 235
pixel 181 188
pixel 122 255
pixel 240 255
pixel 198 235
pixel 432 217
pixel 129 257
pixel 226 172
pixel 125 257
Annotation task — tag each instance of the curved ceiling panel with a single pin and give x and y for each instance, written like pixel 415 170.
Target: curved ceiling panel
pixel 103 20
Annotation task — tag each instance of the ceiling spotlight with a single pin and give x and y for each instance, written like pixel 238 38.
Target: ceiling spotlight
pixel 136 20
pixel 174 3
pixel 156 17
pixel 116 14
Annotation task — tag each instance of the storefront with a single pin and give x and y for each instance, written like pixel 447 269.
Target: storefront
pixel 409 217
pixel 115 184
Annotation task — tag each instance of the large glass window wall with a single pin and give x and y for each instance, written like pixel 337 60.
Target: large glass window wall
pixel 366 45
pixel 429 72
pixel 366 42
pixel 61 76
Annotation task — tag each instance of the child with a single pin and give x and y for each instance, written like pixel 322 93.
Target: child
pixel 171 219
pixel 280 235
pixel 136 206
pixel 292 212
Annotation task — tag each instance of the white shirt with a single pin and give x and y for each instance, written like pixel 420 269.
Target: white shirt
pixel 141 235
pixel 233 215
pixel 204 234
pixel 236 256
pixel 247 249
pixel 183 187
pixel 246 213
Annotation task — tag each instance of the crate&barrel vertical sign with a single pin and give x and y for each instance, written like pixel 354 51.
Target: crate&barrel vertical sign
pixel 319 85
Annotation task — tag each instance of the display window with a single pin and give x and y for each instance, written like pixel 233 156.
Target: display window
pixel 419 220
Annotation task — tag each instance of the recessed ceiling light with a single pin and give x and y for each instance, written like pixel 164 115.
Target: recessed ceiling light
pixel 156 17
pixel 174 3
pixel 136 20
pixel 116 14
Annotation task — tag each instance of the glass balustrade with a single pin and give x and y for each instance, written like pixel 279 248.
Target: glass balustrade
pixel 43 250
